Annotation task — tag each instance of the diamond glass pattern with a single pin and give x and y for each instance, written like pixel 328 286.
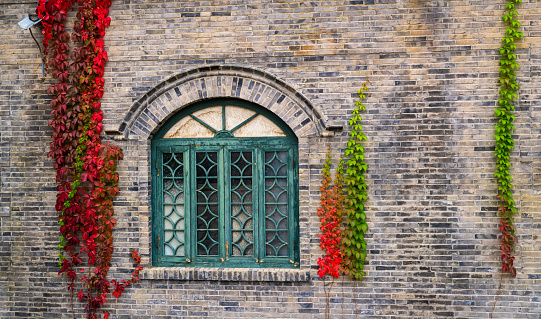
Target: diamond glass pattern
pixel 173 204
pixel 276 234
pixel 242 225
pixel 207 203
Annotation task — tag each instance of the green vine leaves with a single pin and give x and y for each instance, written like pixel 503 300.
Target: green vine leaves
pixel 503 134
pixel 354 245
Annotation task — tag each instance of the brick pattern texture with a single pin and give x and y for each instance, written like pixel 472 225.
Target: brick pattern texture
pixel 433 66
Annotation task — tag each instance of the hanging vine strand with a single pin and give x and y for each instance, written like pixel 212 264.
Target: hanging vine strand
pixel 354 245
pixel 86 168
pixel 504 140
pixel 503 135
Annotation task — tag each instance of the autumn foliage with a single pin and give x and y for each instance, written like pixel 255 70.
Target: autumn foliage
pixel 86 168
pixel 330 214
pixel 342 216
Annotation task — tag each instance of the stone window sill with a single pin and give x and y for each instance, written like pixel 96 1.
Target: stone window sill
pixel 226 274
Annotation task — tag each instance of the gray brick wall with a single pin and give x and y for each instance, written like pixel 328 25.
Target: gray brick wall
pixel 433 248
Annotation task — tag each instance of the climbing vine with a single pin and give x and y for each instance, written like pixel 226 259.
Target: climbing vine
pixel 343 242
pixel 354 245
pixel 330 214
pixel 504 140
pixel 86 168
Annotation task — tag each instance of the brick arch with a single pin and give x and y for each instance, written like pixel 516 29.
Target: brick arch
pixel 218 81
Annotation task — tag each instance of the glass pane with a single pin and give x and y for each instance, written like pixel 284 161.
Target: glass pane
pixel 212 116
pixel 236 115
pixel 173 204
pixel 207 203
pixel 259 126
pixel 188 127
pixel 276 204
pixel 242 228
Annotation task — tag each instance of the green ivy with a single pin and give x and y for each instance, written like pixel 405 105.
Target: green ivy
pixel 354 245
pixel 504 140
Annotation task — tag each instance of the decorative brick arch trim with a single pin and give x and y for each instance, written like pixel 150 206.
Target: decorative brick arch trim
pixel 218 81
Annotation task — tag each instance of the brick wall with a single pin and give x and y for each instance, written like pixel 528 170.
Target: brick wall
pixel 433 248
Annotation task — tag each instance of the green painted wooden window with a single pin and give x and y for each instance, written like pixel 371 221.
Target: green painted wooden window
pixel 225 188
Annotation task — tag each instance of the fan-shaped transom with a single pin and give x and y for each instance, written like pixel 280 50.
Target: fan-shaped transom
pixel 224 121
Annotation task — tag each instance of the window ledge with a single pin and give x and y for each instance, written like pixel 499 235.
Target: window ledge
pixel 226 274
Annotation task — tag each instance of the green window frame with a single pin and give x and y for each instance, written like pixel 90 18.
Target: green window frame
pixel 225 201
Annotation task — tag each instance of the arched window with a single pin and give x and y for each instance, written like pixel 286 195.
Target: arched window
pixel 225 188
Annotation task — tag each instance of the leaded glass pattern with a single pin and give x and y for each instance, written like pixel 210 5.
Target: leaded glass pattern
pixel 242 222
pixel 276 204
pixel 207 203
pixel 173 204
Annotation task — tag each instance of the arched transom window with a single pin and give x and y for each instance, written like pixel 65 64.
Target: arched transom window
pixel 225 188
pixel 224 121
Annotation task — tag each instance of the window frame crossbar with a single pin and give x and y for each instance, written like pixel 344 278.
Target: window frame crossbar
pixel 203 123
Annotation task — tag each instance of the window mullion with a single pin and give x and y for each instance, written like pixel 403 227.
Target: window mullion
pixel 193 205
pixel 290 202
pixel 256 209
pixel 187 204
pixel 260 168
pixel 158 184
pixel 223 205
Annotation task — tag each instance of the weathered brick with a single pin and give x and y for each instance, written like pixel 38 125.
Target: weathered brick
pixel 433 67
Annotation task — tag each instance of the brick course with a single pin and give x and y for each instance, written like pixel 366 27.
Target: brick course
pixel 433 66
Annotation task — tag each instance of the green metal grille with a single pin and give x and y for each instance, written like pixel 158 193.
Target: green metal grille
pixel 207 199
pixel 242 222
pixel 276 204
pixel 173 205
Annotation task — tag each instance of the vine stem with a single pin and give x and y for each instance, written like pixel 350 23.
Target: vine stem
pixel 72 311
pixel 327 297
pixel 325 292
pixel 89 286
pixel 342 297
pixel 355 298
pixel 498 295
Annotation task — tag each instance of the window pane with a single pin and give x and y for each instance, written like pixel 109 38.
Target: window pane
pixel 259 126
pixel 188 127
pixel 173 204
pixel 207 203
pixel 242 228
pixel 212 116
pixel 276 210
pixel 236 115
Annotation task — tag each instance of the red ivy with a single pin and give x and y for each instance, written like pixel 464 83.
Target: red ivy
pixel 507 238
pixel 330 214
pixel 86 168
